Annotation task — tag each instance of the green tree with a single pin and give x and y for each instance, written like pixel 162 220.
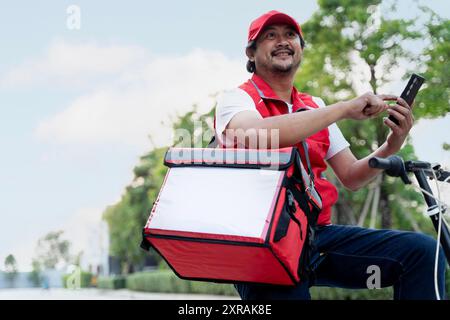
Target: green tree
pixel 52 250
pixel 446 146
pixel 434 99
pixel 127 218
pixel 194 129
pixel 344 38
pixel 35 275
pixel 11 269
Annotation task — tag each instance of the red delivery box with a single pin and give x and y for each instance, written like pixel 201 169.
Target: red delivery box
pixel 234 215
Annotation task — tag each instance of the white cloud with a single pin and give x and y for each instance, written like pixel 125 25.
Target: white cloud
pixel 136 96
pixel 73 64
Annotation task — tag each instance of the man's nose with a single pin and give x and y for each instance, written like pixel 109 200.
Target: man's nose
pixel 282 42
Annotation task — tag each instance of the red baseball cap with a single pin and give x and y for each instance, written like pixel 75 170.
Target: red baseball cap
pixel 269 18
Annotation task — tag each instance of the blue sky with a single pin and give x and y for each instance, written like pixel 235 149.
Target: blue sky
pixel 65 155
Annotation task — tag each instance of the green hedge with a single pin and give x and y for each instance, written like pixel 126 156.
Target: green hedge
pixel 325 293
pixel 167 282
pixel 116 282
pixel 85 280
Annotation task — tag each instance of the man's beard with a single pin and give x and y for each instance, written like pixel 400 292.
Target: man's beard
pixel 283 69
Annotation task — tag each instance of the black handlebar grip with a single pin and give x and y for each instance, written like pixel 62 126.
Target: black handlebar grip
pixel 380 163
pixel 393 166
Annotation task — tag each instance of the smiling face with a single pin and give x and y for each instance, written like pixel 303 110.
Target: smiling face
pixel 278 50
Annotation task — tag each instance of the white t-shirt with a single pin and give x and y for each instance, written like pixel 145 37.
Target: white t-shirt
pixel 233 101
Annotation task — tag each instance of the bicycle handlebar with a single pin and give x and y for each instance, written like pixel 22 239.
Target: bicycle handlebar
pixel 396 167
pixel 393 166
pixel 380 163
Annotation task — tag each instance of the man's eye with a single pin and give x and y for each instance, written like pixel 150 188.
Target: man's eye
pixel 270 35
pixel 291 34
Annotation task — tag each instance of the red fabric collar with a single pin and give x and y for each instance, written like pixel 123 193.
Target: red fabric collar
pixel 266 92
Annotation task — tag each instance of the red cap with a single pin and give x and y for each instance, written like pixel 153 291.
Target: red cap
pixel 269 18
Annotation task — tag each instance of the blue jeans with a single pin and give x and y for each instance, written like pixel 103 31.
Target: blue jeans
pixel 405 260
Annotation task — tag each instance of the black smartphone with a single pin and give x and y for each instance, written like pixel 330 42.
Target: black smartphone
pixel 410 91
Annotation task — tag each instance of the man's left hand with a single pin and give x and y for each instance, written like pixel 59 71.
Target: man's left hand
pixel 402 112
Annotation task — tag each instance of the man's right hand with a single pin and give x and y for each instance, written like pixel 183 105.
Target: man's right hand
pixel 366 106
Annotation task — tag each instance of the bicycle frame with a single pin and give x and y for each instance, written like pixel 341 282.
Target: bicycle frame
pixel 395 166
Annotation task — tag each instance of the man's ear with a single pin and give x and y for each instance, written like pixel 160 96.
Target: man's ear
pixel 250 52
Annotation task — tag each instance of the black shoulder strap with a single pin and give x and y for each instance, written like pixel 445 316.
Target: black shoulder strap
pixel 212 143
pixel 305 149
pixel 308 163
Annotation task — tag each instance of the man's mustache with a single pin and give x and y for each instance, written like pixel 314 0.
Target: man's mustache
pixel 280 50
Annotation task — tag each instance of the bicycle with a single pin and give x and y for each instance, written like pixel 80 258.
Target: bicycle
pixel 394 166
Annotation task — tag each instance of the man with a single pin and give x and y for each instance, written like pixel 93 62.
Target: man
pixel 267 103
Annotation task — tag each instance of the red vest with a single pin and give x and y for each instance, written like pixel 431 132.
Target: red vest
pixel 269 104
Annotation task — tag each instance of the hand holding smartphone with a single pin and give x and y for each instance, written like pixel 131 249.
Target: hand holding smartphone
pixel 410 92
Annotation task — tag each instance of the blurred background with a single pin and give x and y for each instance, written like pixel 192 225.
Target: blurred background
pixel 91 94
